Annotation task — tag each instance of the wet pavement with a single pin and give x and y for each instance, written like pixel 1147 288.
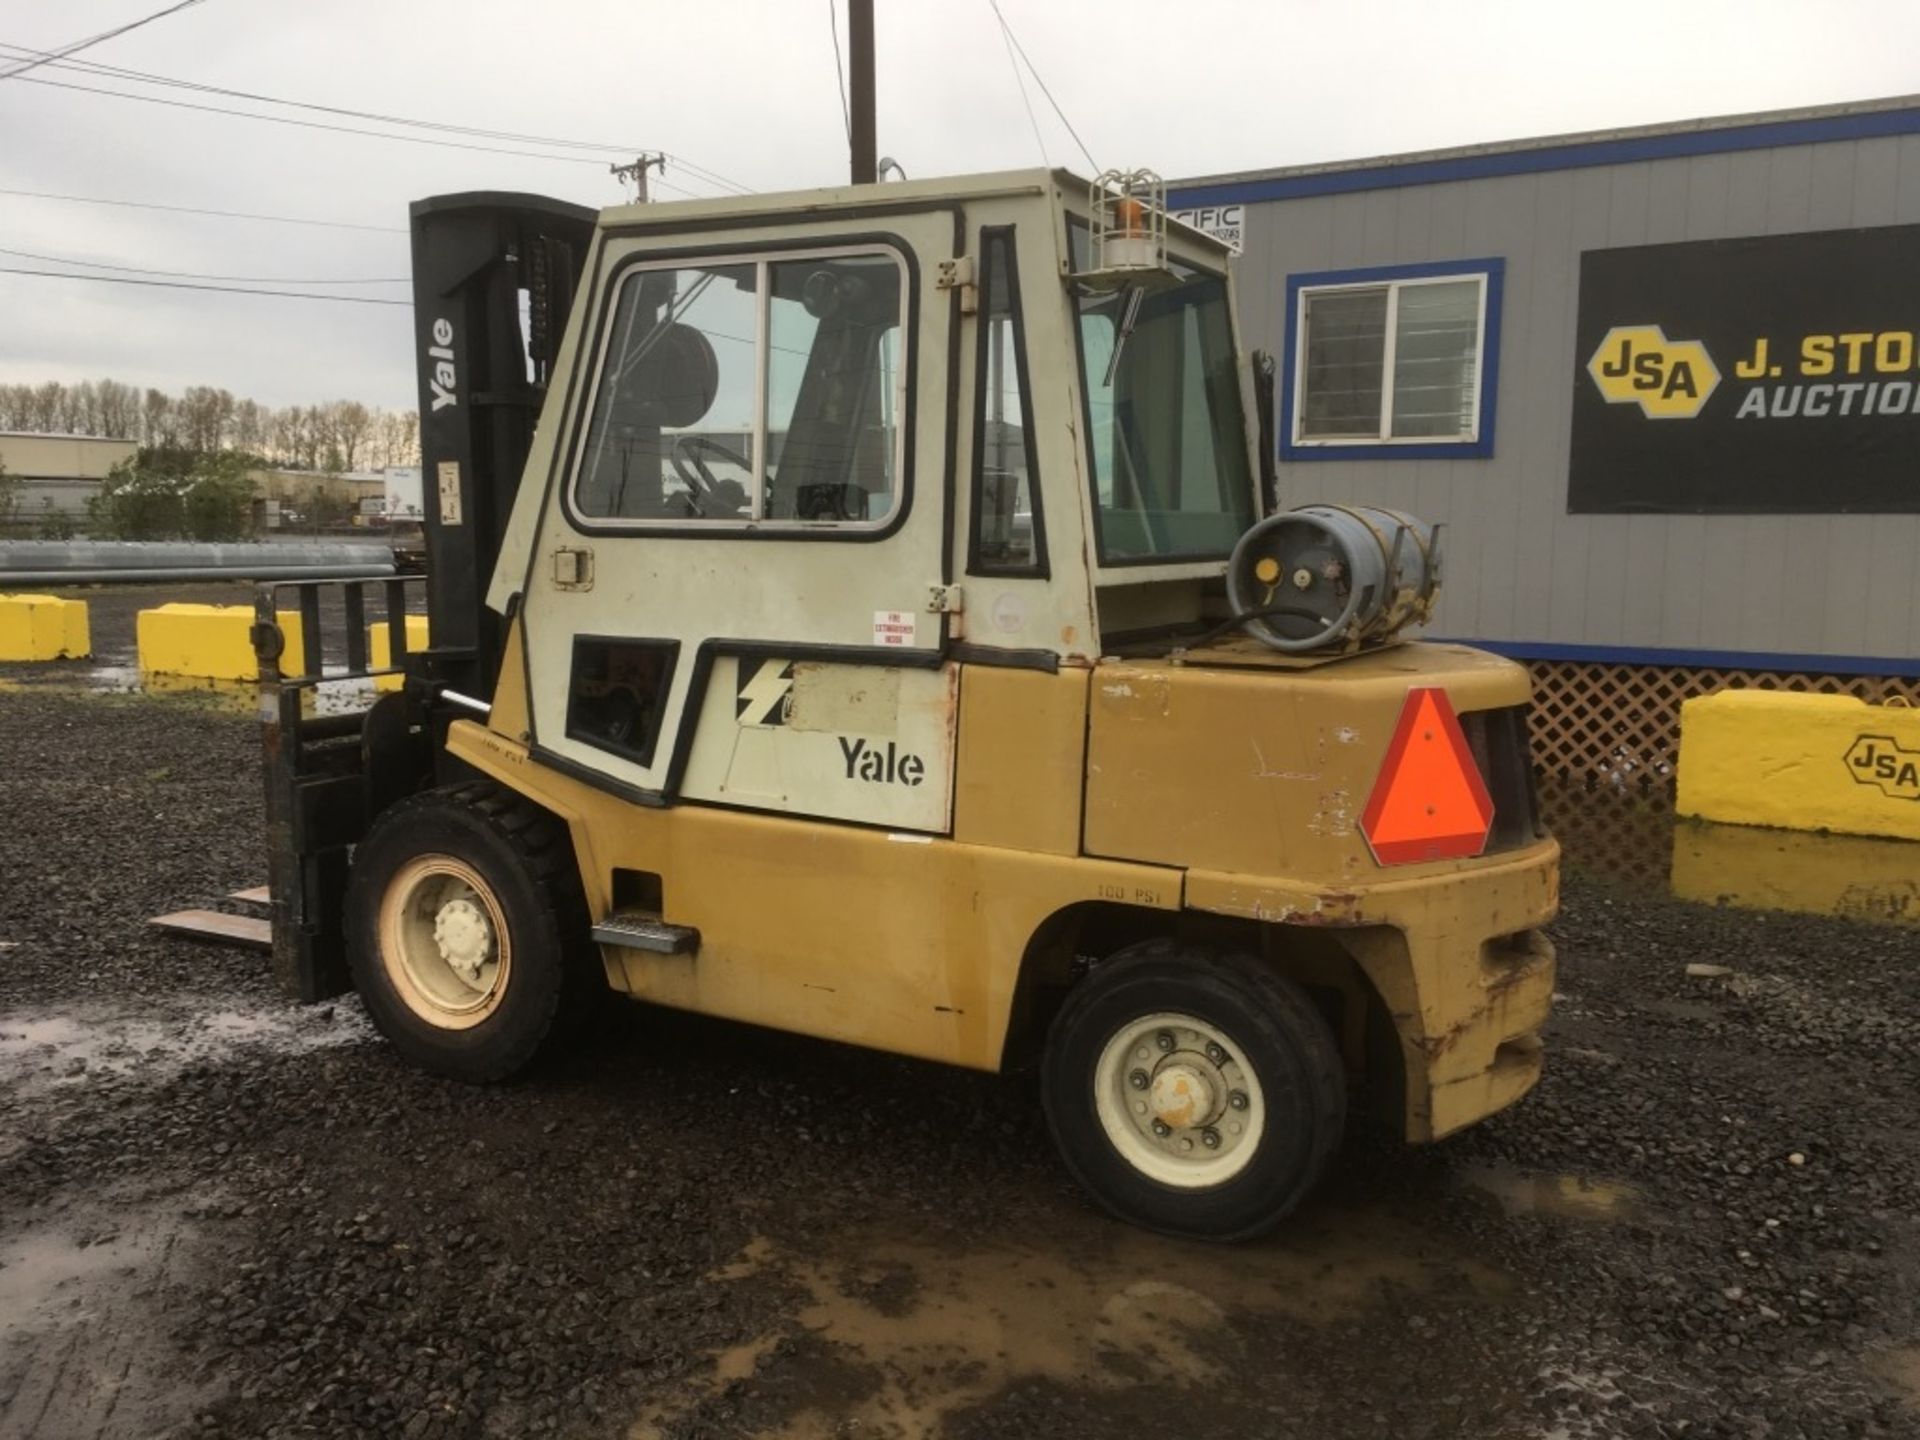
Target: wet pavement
pixel 221 1214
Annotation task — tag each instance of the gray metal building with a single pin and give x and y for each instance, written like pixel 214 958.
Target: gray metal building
pixel 1661 385
pixel 58 474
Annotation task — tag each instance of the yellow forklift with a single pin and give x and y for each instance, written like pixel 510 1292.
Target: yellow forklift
pixel 866 612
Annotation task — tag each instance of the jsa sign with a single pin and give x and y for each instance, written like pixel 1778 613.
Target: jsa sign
pixel 1225 223
pixel 1772 375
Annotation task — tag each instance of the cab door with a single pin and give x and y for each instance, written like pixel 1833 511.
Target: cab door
pixel 731 595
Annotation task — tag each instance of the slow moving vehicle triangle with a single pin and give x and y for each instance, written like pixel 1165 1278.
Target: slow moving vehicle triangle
pixel 1429 801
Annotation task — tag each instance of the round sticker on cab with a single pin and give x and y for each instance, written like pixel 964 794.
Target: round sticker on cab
pixel 1009 614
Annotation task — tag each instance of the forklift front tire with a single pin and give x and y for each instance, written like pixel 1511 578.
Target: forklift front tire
pixel 465 927
pixel 1193 1092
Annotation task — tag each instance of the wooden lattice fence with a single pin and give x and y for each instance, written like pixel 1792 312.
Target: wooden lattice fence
pixel 1606 746
pixel 1618 726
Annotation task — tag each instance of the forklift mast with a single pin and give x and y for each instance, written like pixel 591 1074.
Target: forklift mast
pixel 494 277
pixel 482 378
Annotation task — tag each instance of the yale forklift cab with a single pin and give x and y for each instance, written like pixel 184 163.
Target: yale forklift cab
pixel 853 612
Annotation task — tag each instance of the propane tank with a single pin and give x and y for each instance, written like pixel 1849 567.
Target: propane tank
pixel 1334 577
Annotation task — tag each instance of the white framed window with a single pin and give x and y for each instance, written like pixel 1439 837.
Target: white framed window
pixel 763 390
pixel 1391 360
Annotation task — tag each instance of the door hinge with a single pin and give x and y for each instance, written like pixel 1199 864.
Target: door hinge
pixel 946 600
pixel 957 274
pixel 572 569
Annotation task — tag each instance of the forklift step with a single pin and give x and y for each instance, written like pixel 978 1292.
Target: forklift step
pixel 637 930
pixel 211 925
pixel 258 895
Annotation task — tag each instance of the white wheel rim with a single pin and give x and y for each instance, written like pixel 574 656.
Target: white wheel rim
pixel 444 942
pixel 1178 1100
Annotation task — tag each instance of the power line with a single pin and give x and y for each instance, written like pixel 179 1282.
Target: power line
pixel 50 56
pixel 193 210
pixel 1006 39
pixel 192 275
pixel 839 70
pixel 1038 80
pixel 213 289
pixel 313 124
pixel 148 77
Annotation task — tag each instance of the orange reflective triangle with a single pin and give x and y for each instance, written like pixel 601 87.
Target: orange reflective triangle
pixel 1429 801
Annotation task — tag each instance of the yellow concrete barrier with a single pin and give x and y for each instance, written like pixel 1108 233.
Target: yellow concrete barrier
pixel 378 655
pixel 1801 762
pixel 43 627
pixel 1855 876
pixel 212 642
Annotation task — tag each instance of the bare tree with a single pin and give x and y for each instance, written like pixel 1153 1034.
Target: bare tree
pixel 206 415
pixel 342 434
pixel 349 430
pixel 397 437
pixel 45 412
pixel 119 410
pixel 159 421
pixel 249 428
pixel 297 438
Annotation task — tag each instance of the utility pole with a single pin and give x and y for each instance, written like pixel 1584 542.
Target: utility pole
pixel 860 88
pixel 637 173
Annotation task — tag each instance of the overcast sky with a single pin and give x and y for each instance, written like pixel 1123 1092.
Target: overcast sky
pixel 746 89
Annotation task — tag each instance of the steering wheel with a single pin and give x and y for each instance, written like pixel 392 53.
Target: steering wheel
pixel 702 488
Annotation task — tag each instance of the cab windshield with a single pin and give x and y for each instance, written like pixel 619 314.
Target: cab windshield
pixel 1166 432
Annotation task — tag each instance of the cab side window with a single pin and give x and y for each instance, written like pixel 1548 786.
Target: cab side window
pixel 1008 536
pixel 768 392
pixel 672 432
pixel 833 388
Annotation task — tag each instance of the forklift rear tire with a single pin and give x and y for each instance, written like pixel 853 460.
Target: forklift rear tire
pixel 467 931
pixel 1192 1091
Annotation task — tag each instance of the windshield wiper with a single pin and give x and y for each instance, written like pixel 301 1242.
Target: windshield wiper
pixel 1135 294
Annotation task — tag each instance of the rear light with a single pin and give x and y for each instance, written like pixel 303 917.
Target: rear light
pixel 1502 750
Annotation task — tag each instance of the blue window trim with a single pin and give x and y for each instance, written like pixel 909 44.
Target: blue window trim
pixel 1494 269
pixel 1709 659
pixel 1722 140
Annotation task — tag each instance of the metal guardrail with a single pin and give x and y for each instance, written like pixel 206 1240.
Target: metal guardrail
pixel 93 562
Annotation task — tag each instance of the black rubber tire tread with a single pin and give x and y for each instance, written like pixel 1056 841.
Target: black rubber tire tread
pixel 1281 1034
pixel 526 854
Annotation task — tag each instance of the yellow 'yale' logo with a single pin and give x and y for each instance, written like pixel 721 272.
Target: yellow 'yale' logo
pixel 1667 379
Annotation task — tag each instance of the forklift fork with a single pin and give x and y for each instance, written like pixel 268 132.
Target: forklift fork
pixel 329 774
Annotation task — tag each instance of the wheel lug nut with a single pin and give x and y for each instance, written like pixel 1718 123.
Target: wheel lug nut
pixel 1210 1138
pixel 1162 1129
pixel 1238 1099
pixel 1164 1040
pixel 1138 1079
pixel 1216 1054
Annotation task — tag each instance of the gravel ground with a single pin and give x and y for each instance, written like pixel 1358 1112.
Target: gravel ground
pixel 224 1215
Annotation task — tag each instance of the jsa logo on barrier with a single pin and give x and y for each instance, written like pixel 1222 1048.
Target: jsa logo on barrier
pixel 1667 379
pixel 1881 761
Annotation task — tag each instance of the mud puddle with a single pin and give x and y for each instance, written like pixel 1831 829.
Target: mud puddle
pixel 892 1334
pixel 1635 838
pixel 333 696
pixel 42 1049
pixel 1899 1367
pixel 82 1329
pixel 1557 1197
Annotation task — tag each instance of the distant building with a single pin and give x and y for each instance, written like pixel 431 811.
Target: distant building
pixel 403 492
pixel 285 496
pixel 60 473
pixel 1698 341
